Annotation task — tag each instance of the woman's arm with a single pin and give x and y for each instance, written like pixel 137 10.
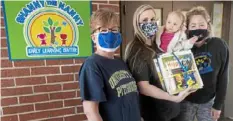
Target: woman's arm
pixel 150 90
pixel 222 78
pixel 91 109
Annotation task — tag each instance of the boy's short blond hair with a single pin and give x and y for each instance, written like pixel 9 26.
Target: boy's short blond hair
pixel 103 18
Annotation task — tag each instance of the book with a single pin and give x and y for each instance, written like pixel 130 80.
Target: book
pixel 177 71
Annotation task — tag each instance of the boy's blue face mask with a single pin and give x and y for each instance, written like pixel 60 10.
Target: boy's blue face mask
pixel 109 41
pixel 149 29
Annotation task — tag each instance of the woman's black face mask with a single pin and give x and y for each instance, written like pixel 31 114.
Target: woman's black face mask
pixel 200 33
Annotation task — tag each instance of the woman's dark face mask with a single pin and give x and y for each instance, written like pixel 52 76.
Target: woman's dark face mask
pixel 200 33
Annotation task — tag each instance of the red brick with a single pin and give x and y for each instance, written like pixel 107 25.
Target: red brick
pixel 94 7
pixel 72 102
pixel 34 98
pixel 2 22
pixel 60 78
pixel 81 117
pixel 30 81
pixel 78 94
pixel 36 115
pixel 62 95
pixel 59 62
pixel 9 101
pixel 29 63
pixel 49 105
pixel 70 69
pixel 62 112
pixel 69 86
pixel 7 82
pixel 116 2
pixel 47 88
pixel 4 52
pixel 112 7
pixel 45 70
pixel 18 109
pixel 99 1
pixel 2 15
pixel 3 32
pixel 79 109
pixel 9 118
pixel 46 114
pixel 15 72
pixel 53 119
pixel 3 42
pixel 81 60
pixel 6 63
pixel 16 91
pixel 76 76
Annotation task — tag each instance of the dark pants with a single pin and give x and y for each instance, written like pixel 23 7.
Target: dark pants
pixel 165 111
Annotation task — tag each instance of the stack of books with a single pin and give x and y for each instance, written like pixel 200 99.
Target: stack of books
pixel 178 71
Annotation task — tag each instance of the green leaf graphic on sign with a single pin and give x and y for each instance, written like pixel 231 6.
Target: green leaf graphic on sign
pixel 46 29
pixel 58 29
pixel 50 21
pixel 56 23
pixel 45 23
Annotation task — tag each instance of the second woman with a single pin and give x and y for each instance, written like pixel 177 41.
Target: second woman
pixel 156 104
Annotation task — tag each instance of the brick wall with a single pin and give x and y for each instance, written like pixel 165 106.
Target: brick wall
pixel 42 90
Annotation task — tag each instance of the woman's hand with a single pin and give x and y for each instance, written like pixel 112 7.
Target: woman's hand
pixel 183 94
pixel 193 39
pixel 215 114
pixel 147 89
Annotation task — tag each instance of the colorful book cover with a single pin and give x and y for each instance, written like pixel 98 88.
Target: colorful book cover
pixel 177 71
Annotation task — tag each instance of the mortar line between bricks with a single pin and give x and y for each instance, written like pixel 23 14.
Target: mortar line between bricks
pixel 19 67
pixel 4 47
pixel 18 117
pixel 63 116
pixel 41 111
pixel 60 70
pixel 4 58
pixel 14 82
pixel 30 70
pixel 17 105
pixel 23 67
pixel 50 101
pixel 45 62
pixel 21 86
pixel 8 115
pixel 40 93
pixel 39 75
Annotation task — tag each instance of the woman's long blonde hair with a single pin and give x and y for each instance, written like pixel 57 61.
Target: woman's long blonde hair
pixel 138 53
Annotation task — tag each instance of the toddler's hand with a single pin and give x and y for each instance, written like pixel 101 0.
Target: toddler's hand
pixel 193 39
